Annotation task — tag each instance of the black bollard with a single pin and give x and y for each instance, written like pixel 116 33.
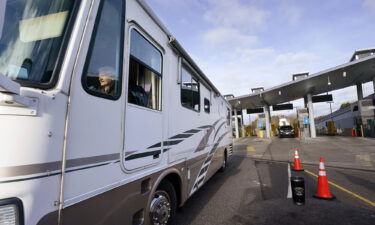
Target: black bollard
pixel 298 190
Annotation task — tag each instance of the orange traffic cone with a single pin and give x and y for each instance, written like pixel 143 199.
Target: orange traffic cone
pixel 297 163
pixel 323 188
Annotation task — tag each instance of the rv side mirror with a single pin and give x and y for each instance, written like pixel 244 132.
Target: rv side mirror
pixel 9 86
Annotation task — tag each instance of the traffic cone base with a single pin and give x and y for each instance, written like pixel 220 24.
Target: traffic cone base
pixel 325 198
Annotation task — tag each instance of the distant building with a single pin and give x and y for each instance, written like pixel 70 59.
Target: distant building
pixel 355 118
pixel 228 96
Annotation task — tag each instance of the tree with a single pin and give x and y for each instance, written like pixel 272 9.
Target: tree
pixel 344 105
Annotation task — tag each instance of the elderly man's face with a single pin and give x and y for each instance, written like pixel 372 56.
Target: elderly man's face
pixel 104 79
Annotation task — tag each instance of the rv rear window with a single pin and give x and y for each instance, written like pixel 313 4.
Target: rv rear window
pixel 207 105
pixel 190 91
pixel 145 76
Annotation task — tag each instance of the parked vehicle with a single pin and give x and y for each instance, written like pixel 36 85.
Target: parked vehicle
pixel 105 119
pixel 286 131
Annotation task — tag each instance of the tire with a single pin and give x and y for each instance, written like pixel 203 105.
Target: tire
pixel 225 163
pixel 165 198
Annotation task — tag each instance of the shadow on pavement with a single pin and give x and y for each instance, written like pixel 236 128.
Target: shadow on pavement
pixel 193 207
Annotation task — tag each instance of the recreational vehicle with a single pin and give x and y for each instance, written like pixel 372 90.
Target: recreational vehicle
pixel 104 117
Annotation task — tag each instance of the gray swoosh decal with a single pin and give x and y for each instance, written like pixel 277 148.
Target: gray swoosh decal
pixel 13 171
pixel 203 172
pixel 203 143
pixel 219 129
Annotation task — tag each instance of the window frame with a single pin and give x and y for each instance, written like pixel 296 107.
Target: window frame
pixel 90 51
pixel 60 56
pixel 156 45
pixel 195 77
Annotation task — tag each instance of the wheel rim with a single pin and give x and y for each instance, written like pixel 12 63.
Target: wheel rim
pixel 160 209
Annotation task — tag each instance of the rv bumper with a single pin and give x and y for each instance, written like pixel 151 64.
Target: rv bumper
pixel 11 212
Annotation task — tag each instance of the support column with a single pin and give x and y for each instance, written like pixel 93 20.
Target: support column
pixel 242 125
pixel 305 101
pixel 236 123
pixel 268 121
pixel 359 91
pixel 311 116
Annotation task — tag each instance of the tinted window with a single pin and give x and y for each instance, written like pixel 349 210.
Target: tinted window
pixel 286 128
pixel 142 50
pixel 102 76
pixel 145 76
pixel 190 96
pixel 31 38
pixel 207 105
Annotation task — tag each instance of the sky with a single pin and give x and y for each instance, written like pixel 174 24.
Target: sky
pixel 242 44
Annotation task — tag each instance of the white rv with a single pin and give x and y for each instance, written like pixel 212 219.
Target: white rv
pixel 104 118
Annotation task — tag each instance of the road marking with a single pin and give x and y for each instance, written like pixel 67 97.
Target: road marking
pixel 250 149
pixel 345 190
pixel 289 186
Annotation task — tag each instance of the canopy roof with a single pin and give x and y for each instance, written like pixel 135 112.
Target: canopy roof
pixel 342 76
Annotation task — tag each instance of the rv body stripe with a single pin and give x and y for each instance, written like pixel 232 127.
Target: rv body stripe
pixel 169 143
pixel 204 141
pixel 142 155
pixel 49 174
pixel 24 170
pixel 178 136
pixel 217 131
pixel 166 149
pixel 207 126
pixel 192 131
pixel 54 168
pixel 203 172
pixel 158 145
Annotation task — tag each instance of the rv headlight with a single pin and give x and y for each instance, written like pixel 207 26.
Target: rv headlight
pixel 11 212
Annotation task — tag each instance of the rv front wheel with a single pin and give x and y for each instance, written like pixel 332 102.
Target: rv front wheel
pixel 163 205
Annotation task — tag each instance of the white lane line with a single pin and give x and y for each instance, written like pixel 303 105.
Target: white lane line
pixel 289 186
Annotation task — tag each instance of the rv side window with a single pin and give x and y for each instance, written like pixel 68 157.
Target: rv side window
pixel 102 73
pixel 145 75
pixel 206 105
pixel 190 96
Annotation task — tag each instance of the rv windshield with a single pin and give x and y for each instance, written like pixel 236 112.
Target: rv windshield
pixel 31 37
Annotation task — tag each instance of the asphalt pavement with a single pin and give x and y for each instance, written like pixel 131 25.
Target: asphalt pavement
pixel 254 188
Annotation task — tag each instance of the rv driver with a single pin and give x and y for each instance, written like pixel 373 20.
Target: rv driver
pixel 107 77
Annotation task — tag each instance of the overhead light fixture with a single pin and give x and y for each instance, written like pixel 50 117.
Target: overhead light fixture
pixel 344 74
pixel 329 82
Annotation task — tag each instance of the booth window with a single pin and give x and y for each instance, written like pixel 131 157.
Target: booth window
pixel 102 72
pixel 206 105
pixel 190 96
pixel 145 75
